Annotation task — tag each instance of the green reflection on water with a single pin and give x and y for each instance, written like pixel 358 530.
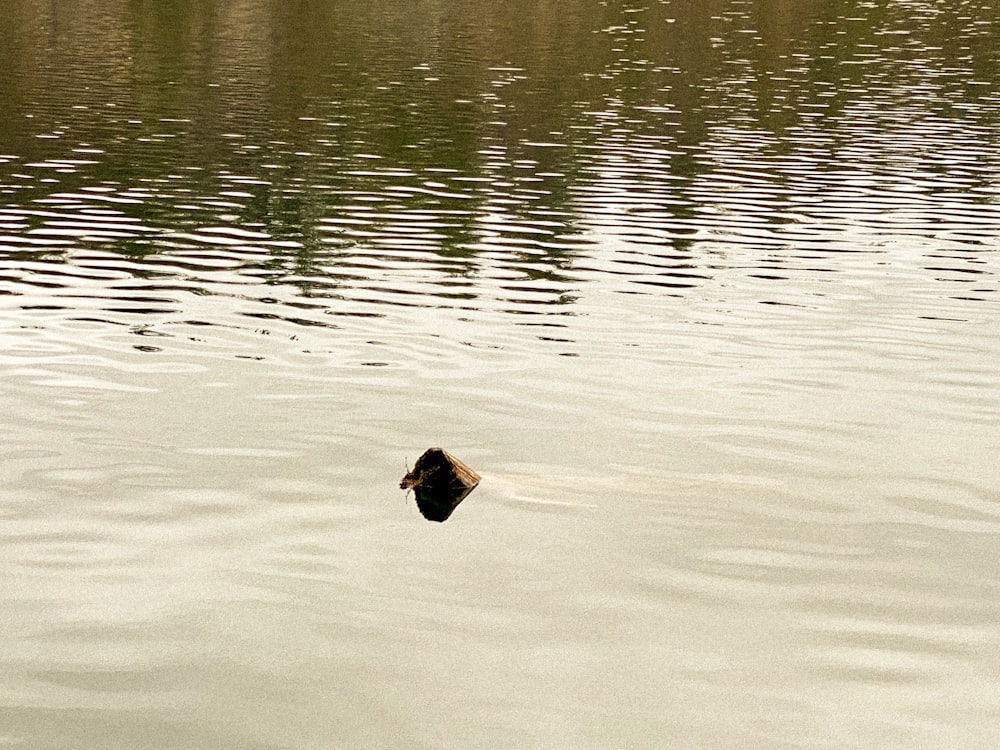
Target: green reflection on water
pixel 489 120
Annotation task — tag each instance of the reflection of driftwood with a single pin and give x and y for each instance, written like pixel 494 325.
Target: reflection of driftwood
pixel 440 481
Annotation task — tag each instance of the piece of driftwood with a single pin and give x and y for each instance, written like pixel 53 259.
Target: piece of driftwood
pixel 440 482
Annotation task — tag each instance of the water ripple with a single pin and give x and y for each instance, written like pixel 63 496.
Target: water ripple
pixel 708 294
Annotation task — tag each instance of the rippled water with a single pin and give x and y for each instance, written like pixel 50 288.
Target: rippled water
pixel 707 292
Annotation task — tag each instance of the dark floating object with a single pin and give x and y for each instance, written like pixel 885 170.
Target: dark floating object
pixel 440 481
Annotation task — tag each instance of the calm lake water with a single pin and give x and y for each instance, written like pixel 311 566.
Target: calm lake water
pixel 708 292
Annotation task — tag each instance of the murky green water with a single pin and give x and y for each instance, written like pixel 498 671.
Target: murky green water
pixel 708 292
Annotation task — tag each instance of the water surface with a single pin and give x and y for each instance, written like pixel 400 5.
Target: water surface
pixel 707 292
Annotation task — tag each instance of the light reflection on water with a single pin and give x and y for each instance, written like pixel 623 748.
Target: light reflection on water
pixel 708 294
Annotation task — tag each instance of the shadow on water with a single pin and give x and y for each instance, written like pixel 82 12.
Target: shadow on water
pixel 432 155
